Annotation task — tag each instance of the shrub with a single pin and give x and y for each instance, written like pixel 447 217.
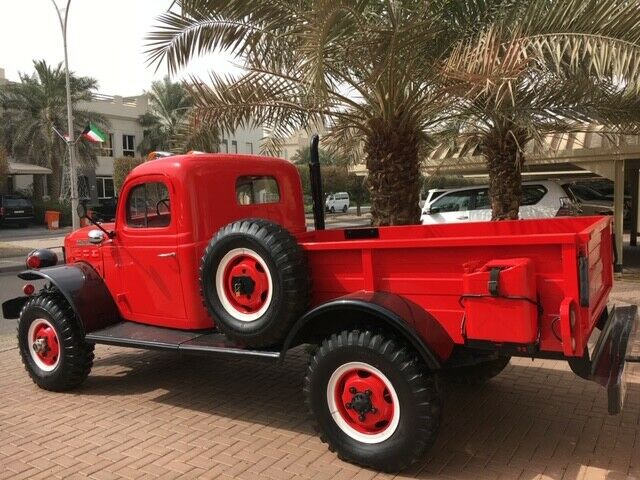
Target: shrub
pixel 121 168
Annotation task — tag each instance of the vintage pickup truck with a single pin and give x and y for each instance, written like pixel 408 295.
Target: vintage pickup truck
pixel 210 254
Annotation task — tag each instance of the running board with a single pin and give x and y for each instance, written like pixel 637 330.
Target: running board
pixel 137 335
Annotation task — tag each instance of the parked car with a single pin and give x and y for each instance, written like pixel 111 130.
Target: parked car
pixel 337 202
pixel 540 199
pixel 591 201
pixel 15 209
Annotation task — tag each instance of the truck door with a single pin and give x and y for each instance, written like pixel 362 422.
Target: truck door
pixel 149 268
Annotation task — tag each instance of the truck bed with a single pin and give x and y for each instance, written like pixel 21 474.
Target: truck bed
pixel 426 265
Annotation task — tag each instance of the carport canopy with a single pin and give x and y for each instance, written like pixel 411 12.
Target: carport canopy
pixel 16 168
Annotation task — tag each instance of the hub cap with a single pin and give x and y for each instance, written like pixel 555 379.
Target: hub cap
pixel 44 346
pixel 243 284
pixel 363 402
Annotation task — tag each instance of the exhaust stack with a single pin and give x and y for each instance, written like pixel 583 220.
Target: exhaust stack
pixel 315 179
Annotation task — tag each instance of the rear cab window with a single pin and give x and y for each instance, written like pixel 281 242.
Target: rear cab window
pixel 15 202
pixel 149 206
pixel 257 189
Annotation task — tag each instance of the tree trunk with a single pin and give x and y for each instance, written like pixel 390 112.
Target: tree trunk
pixel 36 186
pixel 502 150
pixel 394 174
pixel 358 209
pixel 55 180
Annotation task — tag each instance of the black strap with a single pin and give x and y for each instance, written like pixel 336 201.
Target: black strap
pixel 494 275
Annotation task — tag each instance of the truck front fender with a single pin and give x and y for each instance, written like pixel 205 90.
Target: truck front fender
pixel 375 310
pixel 85 291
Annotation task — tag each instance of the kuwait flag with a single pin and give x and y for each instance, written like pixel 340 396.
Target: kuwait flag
pixel 94 134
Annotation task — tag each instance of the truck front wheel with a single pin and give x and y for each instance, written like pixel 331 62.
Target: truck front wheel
pixel 52 345
pixel 372 401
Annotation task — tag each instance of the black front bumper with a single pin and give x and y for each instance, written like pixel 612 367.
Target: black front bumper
pixel 616 347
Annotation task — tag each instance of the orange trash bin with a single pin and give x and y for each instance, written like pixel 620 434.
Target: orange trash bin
pixel 52 219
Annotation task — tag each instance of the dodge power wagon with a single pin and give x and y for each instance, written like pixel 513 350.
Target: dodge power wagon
pixel 210 254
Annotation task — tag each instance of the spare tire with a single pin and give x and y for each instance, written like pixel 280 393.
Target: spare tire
pixel 254 281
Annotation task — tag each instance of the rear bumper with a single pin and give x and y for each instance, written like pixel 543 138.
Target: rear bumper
pixel 616 347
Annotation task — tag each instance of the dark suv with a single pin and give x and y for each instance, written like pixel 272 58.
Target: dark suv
pixel 15 210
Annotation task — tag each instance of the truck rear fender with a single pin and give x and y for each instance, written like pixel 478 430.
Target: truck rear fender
pixel 85 291
pixel 377 311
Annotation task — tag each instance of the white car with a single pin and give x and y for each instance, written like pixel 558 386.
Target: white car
pixel 541 199
pixel 337 202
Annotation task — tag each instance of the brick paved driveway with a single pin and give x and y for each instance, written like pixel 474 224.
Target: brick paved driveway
pixel 153 415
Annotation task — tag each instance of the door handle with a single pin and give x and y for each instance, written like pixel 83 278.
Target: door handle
pixel 462 218
pixel 164 255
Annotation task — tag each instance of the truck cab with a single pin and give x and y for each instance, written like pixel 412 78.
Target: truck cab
pixel 168 211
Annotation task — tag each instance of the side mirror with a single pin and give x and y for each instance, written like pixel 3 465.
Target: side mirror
pixel 96 236
pixel 432 210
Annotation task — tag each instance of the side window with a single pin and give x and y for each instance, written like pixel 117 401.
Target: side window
pixel 252 189
pixel 532 194
pixel 482 200
pixel 148 206
pixel 453 202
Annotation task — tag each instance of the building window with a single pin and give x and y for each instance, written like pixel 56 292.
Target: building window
pixel 128 145
pixel 106 148
pixel 249 147
pixel 224 146
pixel 105 188
pixel 234 146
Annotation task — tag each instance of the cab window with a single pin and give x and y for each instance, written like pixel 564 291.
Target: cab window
pixel 532 194
pixel 148 206
pixel 253 189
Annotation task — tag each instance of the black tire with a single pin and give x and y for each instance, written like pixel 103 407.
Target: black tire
pixel 289 281
pixel 344 209
pixel 416 390
pixel 75 356
pixel 476 374
pixel 332 210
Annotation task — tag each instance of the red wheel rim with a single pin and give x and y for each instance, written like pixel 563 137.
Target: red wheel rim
pixel 246 283
pixel 44 343
pixel 364 401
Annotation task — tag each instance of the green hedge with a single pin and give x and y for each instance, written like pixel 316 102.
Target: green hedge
pixel 40 207
pixel 121 168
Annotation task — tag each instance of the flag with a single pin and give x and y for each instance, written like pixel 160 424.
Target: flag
pixel 94 134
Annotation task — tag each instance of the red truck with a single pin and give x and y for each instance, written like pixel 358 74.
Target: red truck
pixel 210 254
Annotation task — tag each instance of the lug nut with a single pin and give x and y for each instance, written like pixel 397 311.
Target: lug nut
pixel 348 405
pixel 367 393
pixel 373 410
pixel 361 418
pixel 353 390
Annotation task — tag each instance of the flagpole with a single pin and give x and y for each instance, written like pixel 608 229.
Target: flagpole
pixel 75 220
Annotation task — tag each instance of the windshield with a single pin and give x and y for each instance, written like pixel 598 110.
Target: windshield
pixel 12 202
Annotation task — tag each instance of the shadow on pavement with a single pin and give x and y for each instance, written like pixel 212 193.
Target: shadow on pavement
pixel 526 422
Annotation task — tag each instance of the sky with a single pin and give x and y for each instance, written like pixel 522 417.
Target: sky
pixel 106 41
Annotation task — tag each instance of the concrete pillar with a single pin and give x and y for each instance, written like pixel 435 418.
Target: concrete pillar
pixel 618 211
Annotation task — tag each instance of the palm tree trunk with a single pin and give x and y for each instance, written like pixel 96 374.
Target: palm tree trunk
pixel 55 180
pixel 505 185
pixel 394 174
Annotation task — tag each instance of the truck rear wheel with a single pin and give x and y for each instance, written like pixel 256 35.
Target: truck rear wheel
pixel 477 374
pixel 254 281
pixel 52 345
pixel 372 401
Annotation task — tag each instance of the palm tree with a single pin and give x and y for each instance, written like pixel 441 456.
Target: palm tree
pixel 169 125
pixel 540 67
pixel 385 74
pixel 34 107
pixel 356 66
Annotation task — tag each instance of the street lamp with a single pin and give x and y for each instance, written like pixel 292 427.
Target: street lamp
pixel 70 142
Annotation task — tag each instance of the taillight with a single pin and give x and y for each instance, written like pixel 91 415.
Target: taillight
pixel 28 289
pixel 1 211
pixel 33 261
